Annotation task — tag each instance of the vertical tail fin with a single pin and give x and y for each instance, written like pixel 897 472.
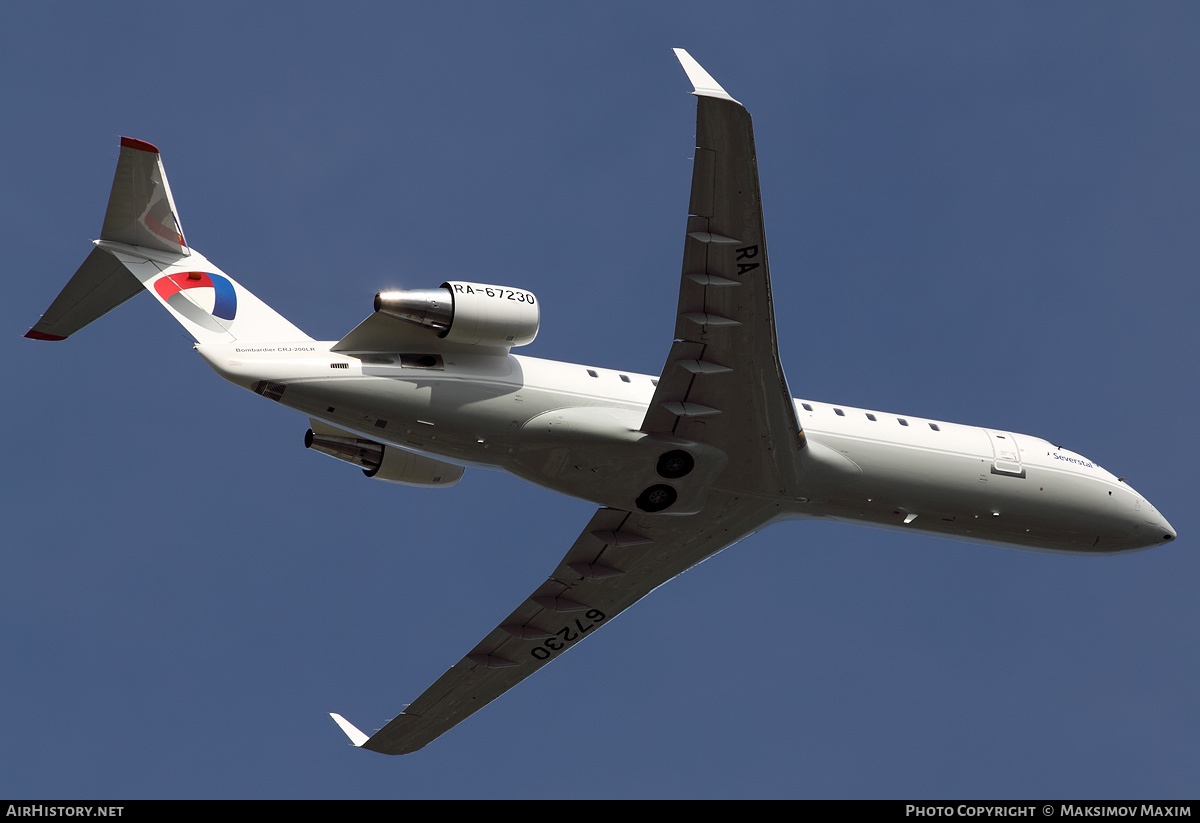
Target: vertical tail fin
pixel 141 211
pixel 142 246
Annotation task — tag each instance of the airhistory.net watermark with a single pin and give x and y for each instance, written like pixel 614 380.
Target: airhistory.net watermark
pixel 43 810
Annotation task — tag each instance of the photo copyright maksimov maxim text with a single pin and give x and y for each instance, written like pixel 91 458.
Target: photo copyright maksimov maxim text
pixel 42 810
pixel 1049 810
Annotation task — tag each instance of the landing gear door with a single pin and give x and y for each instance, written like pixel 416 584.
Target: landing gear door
pixel 1006 454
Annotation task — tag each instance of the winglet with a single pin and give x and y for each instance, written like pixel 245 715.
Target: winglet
pixel 702 81
pixel 357 738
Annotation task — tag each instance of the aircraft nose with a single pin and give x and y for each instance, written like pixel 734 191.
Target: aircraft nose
pixel 1161 531
pixel 1146 525
pixel 1169 532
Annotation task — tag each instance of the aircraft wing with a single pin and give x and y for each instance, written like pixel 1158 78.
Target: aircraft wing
pixel 619 558
pixel 723 383
pixel 723 386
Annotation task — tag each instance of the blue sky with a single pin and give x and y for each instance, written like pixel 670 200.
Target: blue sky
pixel 977 213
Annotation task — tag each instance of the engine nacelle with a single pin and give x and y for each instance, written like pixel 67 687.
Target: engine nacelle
pixel 474 314
pixel 399 466
pixel 385 462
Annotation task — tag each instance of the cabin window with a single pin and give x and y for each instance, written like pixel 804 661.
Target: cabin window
pixel 870 416
pixel 839 412
pixel 806 407
pixel 624 378
pixel 934 426
pixel 654 383
pixel 903 422
pixel 592 373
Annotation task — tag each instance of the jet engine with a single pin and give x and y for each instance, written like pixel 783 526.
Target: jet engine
pixel 384 462
pixel 469 313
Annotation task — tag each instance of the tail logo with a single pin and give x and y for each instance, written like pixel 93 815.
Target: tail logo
pixel 174 288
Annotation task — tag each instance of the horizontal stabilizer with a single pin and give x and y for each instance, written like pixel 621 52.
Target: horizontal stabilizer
pixel 100 285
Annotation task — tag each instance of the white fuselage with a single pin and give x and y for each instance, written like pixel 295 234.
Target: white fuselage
pixel 575 429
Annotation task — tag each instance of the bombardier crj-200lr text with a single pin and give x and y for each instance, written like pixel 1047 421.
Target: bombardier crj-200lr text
pixel 681 465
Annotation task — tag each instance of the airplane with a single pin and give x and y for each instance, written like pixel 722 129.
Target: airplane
pixel 681 465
